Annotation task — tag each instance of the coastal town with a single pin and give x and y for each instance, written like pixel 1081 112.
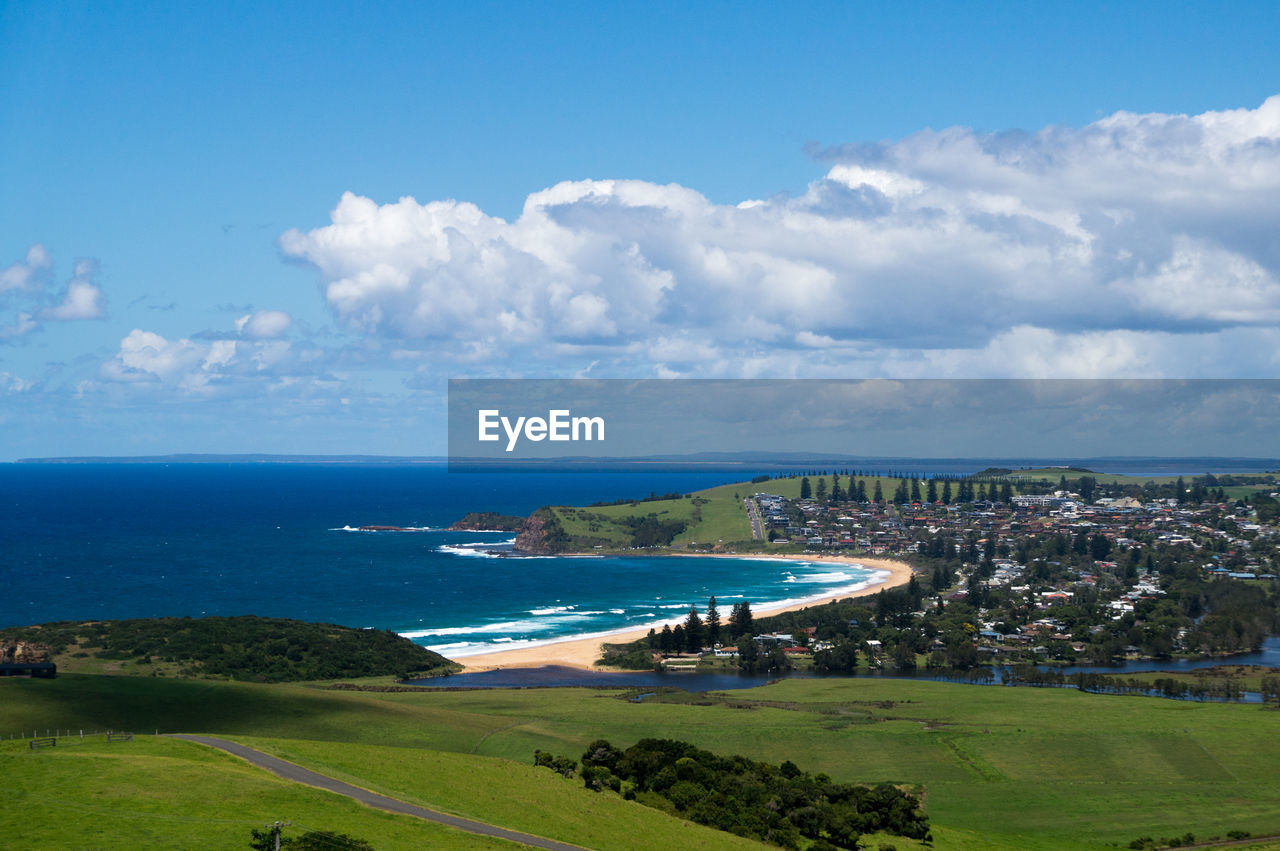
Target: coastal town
pixel 1010 570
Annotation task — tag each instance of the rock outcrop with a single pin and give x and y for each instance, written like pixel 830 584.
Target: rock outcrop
pixel 542 534
pixel 23 653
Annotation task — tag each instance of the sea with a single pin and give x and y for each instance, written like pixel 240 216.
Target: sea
pixel 84 541
pixel 112 541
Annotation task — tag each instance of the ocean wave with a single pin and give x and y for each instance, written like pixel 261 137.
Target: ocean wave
pixel 466 550
pixel 550 610
pixel 461 650
pixel 837 576
pixel 481 629
pixel 675 606
pixel 540 623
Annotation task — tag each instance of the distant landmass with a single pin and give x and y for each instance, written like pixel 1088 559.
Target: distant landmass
pixel 236 458
pixel 761 460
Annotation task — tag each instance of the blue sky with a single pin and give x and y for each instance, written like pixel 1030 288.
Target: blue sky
pixel 204 246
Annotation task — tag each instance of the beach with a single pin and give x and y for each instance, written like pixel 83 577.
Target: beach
pixel 583 652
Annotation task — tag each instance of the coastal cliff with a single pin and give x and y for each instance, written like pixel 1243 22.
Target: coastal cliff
pixel 541 534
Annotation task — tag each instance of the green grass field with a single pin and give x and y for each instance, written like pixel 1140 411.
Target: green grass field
pixel 1001 768
pixel 514 794
pixel 163 793
pixel 712 517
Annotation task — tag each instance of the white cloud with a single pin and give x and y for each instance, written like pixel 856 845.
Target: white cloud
pixel 22 324
pixel 10 383
pixel 27 274
pixel 264 324
pixel 1136 244
pixel 145 355
pixel 81 300
pixel 205 368
pixel 27 283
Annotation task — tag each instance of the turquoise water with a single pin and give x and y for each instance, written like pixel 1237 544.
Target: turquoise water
pixel 141 540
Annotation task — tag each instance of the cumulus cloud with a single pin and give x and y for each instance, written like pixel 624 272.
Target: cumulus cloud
pixel 204 367
pixel 81 300
pixel 28 274
pixel 27 283
pixel 22 324
pixel 1134 245
pixel 264 324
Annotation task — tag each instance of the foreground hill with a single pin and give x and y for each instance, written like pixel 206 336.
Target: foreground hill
pixel 268 650
pixel 1000 768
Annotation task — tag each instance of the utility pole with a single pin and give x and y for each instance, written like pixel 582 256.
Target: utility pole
pixel 275 831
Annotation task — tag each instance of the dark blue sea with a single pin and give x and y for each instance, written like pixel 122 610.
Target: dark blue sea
pixel 90 541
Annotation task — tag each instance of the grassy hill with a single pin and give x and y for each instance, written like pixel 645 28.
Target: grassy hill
pixel 1001 768
pixel 164 793
pixel 242 648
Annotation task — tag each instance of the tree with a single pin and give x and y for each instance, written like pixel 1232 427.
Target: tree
pixel 915 489
pixel 946 492
pixel 931 494
pixel 879 494
pixel 806 491
pixel 1081 543
pixel 693 631
pixel 666 640
pixel 748 654
pixel 837 495
pixel 821 493
pixel 740 619
pixel 713 623
pixel 1087 486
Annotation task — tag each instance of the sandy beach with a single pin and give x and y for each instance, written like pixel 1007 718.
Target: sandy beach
pixel 583 652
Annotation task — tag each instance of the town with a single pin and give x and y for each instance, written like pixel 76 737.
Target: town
pixel 1016 568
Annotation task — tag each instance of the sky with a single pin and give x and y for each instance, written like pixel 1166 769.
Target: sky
pixel 282 228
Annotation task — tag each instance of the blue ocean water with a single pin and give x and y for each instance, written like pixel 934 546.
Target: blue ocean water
pixel 89 541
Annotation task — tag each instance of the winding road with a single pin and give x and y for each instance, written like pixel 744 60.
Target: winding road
pixel 298 774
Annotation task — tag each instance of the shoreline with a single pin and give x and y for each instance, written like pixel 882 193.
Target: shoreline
pixel 581 653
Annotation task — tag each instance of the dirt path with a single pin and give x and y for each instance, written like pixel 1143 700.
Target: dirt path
pixel 298 774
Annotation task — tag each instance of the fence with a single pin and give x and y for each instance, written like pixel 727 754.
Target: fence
pixel 53 738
